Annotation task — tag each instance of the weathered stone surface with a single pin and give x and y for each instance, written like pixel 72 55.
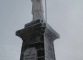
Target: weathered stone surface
pixel 40 35
pixel 30 54
pixel 37 27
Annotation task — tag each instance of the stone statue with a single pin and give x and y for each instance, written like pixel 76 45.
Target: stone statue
pixel 37 9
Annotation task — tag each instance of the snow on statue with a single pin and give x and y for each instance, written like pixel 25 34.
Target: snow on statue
pixel 37 9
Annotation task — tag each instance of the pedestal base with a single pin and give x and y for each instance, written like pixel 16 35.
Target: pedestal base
pixel 38 39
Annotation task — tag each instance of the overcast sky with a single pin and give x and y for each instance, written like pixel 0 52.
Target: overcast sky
pixel 65 16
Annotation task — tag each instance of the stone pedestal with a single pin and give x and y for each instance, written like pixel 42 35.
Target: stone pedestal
pixel 38 37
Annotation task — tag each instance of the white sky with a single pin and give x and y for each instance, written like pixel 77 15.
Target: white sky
pixel 65 16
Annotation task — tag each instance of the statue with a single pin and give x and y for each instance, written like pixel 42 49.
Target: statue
pixel 37 9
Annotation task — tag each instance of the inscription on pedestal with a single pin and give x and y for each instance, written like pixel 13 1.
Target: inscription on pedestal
pixel 30 54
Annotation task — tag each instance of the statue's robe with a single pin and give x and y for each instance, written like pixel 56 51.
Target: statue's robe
pixel 37 9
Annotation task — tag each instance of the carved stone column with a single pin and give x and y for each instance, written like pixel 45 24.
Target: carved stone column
pixel 38 39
